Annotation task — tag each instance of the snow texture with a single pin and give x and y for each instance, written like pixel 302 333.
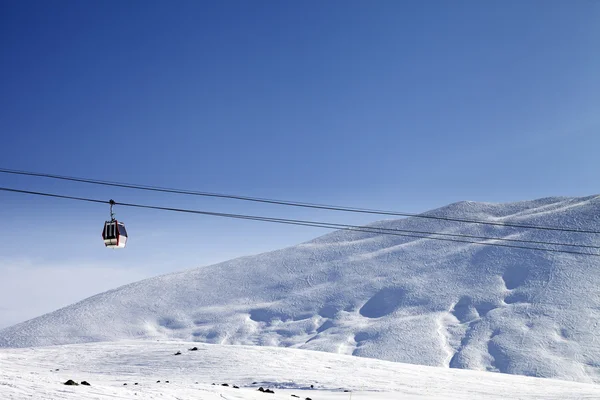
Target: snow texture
pixel 393 298
pixel 150 370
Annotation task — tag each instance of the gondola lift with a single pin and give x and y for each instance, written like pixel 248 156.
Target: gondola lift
pixel 114 233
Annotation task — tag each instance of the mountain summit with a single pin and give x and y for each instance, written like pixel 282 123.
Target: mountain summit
pixel 396 298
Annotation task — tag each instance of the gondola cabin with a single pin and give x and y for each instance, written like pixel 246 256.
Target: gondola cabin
pixel 114 234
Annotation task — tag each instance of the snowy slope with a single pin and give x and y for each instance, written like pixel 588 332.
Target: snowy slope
pixel 389 297
pixel 40 373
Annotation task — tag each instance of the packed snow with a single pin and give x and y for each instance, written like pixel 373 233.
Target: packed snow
pixel 151 370
pixel 393 298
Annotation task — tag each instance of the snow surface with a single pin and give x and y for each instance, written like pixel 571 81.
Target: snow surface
pixel 40 373
pixel 393 298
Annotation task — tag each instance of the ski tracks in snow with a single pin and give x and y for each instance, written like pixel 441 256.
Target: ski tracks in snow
pixel 442 329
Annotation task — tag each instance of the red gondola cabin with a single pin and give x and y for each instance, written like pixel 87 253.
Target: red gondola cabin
pixel 114 234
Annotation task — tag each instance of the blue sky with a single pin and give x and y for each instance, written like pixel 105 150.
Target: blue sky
pixel 389 104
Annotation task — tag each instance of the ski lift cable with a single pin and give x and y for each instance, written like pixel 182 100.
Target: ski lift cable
pixel 292 203
pixel 397 230
pixel 316 224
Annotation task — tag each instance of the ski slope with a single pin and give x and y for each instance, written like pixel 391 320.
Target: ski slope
pixel 40 373
pixel 394 298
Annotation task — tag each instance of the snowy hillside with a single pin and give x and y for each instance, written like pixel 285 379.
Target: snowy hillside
pixel 389 297
pixel 150 370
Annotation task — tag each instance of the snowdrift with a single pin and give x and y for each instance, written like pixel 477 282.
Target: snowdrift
pixel 149 370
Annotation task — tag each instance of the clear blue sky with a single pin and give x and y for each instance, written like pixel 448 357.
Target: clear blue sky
pixel 402 105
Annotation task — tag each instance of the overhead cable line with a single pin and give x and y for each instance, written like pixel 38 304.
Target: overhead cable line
pixel 461 235
pixel 290 203
pixel 316 224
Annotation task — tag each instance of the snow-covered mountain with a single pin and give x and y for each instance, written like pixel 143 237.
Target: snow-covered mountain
pixel 394 298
